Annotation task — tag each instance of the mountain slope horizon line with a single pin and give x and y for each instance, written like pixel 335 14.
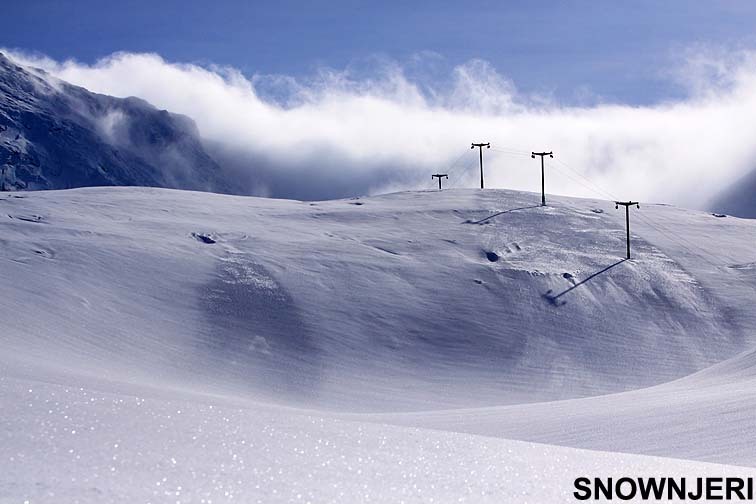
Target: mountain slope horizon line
pixel 56 135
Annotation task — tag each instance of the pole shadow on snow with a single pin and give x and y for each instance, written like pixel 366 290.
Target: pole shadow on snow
pixel 554 298
pixel 490 217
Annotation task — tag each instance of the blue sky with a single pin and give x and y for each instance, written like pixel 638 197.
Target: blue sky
pixel 620 51
pixel 651 100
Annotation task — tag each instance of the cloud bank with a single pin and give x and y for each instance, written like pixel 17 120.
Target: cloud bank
pixel 349 132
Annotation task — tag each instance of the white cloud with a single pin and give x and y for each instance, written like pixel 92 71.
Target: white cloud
pixel 388 130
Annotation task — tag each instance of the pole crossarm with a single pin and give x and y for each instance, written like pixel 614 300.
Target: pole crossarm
pixel 480 146
pixel 627 205
pixel 543 177
pixel 439 176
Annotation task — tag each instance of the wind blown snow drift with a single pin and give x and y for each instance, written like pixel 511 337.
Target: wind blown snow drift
pixel 341 132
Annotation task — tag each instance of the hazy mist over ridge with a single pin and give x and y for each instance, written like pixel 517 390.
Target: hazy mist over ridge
pixel 388 127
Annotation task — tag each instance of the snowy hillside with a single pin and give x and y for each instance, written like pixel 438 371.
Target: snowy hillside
pixel 254 346
pixel 54 136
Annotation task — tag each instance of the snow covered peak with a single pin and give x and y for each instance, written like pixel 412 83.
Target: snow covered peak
pixel 54 135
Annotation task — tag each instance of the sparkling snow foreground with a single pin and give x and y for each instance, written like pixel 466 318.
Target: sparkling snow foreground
pixel 168 346
pixel 63 444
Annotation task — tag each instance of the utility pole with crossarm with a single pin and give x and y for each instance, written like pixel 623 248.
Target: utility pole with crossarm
pixel 480 147
pixel 627 205
pixel 439 176
pixel 543 183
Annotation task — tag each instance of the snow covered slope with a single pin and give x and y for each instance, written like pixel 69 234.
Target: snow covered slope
pixel 458 298
pixel 705 416
pixel 254 348
pixel 54 136
pixel 74 444
pixel 708 416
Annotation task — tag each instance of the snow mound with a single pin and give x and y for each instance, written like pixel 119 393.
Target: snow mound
pixel 166 345
pixel 340 306
pixel 73 444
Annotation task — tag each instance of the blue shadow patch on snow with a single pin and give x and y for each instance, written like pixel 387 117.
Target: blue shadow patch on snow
pixel 255 332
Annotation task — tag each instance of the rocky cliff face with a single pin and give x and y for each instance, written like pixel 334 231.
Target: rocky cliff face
pixel 54 135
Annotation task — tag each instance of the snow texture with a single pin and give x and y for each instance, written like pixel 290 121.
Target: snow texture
pixel 174 346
